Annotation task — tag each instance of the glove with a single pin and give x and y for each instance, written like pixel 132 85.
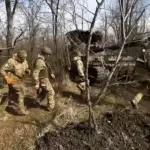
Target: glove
pixel 9 80
pixel 28 71
pixel 53 76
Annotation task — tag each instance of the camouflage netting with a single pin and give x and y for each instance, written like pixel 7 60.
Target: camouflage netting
pixel 124 129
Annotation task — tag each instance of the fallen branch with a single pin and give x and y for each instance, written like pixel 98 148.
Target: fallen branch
pixel 123 83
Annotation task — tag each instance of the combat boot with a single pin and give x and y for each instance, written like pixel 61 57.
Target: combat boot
pixel 50 107
pixel 36 103
pixel 23 112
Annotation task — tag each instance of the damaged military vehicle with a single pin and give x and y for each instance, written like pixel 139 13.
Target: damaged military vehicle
pixel 102 59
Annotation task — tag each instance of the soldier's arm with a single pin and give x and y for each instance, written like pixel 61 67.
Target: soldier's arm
pixel 8 66
pixel 80 68
pixel 37 68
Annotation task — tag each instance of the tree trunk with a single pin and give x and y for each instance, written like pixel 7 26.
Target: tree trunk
pixel 122 23
pixel 9 37
pixel 92 120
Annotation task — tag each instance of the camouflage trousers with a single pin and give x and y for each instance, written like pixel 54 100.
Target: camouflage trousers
pixel 46 92
pixel 16 96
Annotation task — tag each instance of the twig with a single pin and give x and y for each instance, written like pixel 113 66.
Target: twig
pixel 14 8
pixel 87 9
pixel 123 83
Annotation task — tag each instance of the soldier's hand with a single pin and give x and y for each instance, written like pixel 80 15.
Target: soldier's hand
pixel 53 76
pixel 37 86
pixel 9 80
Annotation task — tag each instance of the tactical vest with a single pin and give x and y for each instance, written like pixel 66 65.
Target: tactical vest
pixel 44 73
pixel 74 70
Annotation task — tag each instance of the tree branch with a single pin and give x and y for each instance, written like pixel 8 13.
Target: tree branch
pixel 78 16
pixel 17 37
pixel 132 5
pixel 87 9
pixel 91 113
pixel 14 8
pixel 50 6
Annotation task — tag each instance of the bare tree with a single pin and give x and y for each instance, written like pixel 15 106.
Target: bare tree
pixel 91 113
pixel 10 19
pixel 54 7
pixel 31 13
pixel 125 38
pixel 117 17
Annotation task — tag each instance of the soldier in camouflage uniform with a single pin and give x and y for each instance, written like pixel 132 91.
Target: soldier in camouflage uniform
pixel 41 79
pixel 13 72
pixel 78 69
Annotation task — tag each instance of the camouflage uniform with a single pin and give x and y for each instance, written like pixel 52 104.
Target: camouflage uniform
pixel 41 78
pixel 77 64
pixel 13 71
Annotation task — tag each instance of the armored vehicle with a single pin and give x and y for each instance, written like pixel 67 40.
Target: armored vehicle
pixel 102 59
pixel 101 64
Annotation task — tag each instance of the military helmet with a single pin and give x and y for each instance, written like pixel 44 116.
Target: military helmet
pixel 46 50
pixel 77 53
pixel 22 54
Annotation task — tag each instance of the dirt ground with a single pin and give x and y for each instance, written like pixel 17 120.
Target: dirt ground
pixel 122 129
pixel 23 132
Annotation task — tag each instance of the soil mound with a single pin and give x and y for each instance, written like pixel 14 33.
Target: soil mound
pixel 123 129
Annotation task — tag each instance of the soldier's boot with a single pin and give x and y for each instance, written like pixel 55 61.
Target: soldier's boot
pixel 37 102
pixel 50 106
pixel 22 112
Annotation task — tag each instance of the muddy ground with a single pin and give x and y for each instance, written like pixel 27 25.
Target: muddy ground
pixel 22 133
pixel 122 129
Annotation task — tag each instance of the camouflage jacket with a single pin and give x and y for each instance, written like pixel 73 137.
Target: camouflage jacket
pixel 14 69
pixel 40 69
pixel 79 64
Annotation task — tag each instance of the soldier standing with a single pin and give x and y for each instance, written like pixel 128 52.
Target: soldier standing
pixel 13 72
pixel 77 69
pixel 41 79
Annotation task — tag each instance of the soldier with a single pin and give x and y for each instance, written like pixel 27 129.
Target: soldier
pixel 41 79
pixel 77 69
pixel 13 72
